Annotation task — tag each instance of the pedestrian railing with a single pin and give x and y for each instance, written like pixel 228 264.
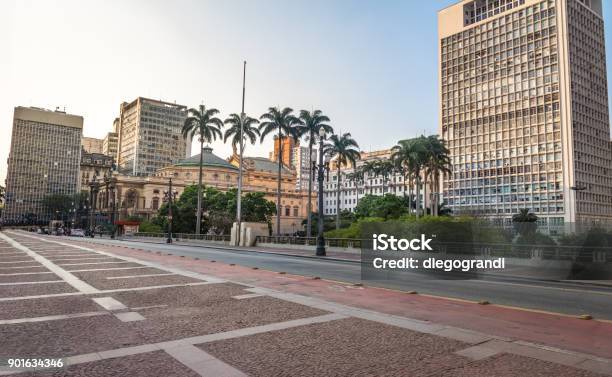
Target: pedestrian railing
pixel 186 236
pixel 309 241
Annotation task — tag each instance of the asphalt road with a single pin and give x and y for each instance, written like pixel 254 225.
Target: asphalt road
pixel 559 297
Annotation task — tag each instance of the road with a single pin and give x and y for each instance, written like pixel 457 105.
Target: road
pixel 557 297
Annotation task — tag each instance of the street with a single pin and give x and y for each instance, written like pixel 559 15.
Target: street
pixel 117 308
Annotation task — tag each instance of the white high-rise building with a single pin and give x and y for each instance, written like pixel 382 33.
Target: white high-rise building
pixel 524 109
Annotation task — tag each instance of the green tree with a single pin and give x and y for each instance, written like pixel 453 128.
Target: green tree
pixel 387 206
pixel 370 169
pixel 410 157
pixel 310 124
pixel 286 124
pixel 437 162
pixel 525 223
pixel 357 177
pixel 202 122
pixel 58 206
pixel 346 150
pixel 384 168
pixel 249 131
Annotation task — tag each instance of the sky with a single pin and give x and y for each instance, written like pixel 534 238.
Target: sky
pixel 370 65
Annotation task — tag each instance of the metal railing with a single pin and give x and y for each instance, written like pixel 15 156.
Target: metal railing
pixel 186 236
pixel 309 241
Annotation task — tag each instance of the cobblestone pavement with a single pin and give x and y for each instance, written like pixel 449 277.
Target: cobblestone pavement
pixel 108 312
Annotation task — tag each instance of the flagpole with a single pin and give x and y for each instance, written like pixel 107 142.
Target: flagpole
pixel 239 198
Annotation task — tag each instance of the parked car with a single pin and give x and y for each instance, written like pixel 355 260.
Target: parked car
pixel 77 233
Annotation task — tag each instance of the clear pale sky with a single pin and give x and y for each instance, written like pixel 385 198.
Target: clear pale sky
pixel 371 65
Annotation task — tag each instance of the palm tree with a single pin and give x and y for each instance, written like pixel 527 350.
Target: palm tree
pixel 357 176
pixel 250 132
pixel 524 216
pixel 371 169
pixel 202 123
pixel 286 124
pixel 346 149
pixel 410 155
pixel 437 163
pixel 384 168
pixel 310 123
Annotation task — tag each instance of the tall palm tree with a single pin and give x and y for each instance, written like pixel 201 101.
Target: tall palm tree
pixel 385 168
pixel 437 163
pixel 250 131
pixel 310 123
pixel 346 150
pixel 202 123
pixel 410 155
pixel 370 168
pixel 357 177
pixel 285 123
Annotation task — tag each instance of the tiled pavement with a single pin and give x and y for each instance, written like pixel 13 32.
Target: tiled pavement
pixel 107 314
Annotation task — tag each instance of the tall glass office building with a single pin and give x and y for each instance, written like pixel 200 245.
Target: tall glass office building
pixel 524 109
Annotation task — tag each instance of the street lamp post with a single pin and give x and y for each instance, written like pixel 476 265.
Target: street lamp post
pixel 169 196
pixel 94 187
pixel 110 183
pixel 320 169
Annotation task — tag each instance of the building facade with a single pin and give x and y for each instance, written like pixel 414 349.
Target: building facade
pixel 286 148
pixel 524 109
pixel 91 144
pixel 352 191
pixel 109 145
pixel 44 159
pixel 301 164
pixel 149 136
pixel 142 196
pixel 93 165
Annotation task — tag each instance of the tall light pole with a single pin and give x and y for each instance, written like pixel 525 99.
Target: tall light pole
pixel 320 169
pixel 94 187
pixel 239 198
pixel 169 196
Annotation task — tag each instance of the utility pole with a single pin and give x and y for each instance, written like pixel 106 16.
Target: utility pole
pixel 239 198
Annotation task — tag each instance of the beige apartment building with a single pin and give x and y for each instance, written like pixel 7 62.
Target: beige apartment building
pixel 149 136
pixel 44 159
pixel 91 144
pixel 524 109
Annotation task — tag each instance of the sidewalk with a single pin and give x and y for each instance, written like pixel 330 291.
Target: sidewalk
pixel 490 324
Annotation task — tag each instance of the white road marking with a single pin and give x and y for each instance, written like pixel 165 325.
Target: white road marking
pixel 69 278
pixel 129 317
pixel 137 276
pixel 109 303
pixel 27 273
pixel 32 282
pixel 51 318
pixel 149 307
pixel 19 261
pixel 246 296
pixel 72 259
pixel 109 269
pixel 82 264
pixel 21 267
pixel 202 362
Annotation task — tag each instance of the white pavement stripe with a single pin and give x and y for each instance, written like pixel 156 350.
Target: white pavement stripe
pixel 72 259
pixel 35 297
pixel 27 273
pixel 195 275
pixel 20 267
pixel 109 303
pixel 18 261
pixel 32 282
pixel 149 307
pixel 137 276
pixel 108 269
pixel 202 362
pixel 82 264
pixel 129 317
pixel 165 346
pixel 51 318
pixel 248 295
pixel 156 287
pixel 69 278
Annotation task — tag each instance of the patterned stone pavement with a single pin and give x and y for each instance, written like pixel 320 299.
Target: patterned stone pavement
pixel 104 313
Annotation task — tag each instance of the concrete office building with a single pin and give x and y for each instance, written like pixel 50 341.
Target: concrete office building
pixel 109 145
pixel 524 109
pixel 149 136
pixel 301 165
pixel 91 144
pixel 44 159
